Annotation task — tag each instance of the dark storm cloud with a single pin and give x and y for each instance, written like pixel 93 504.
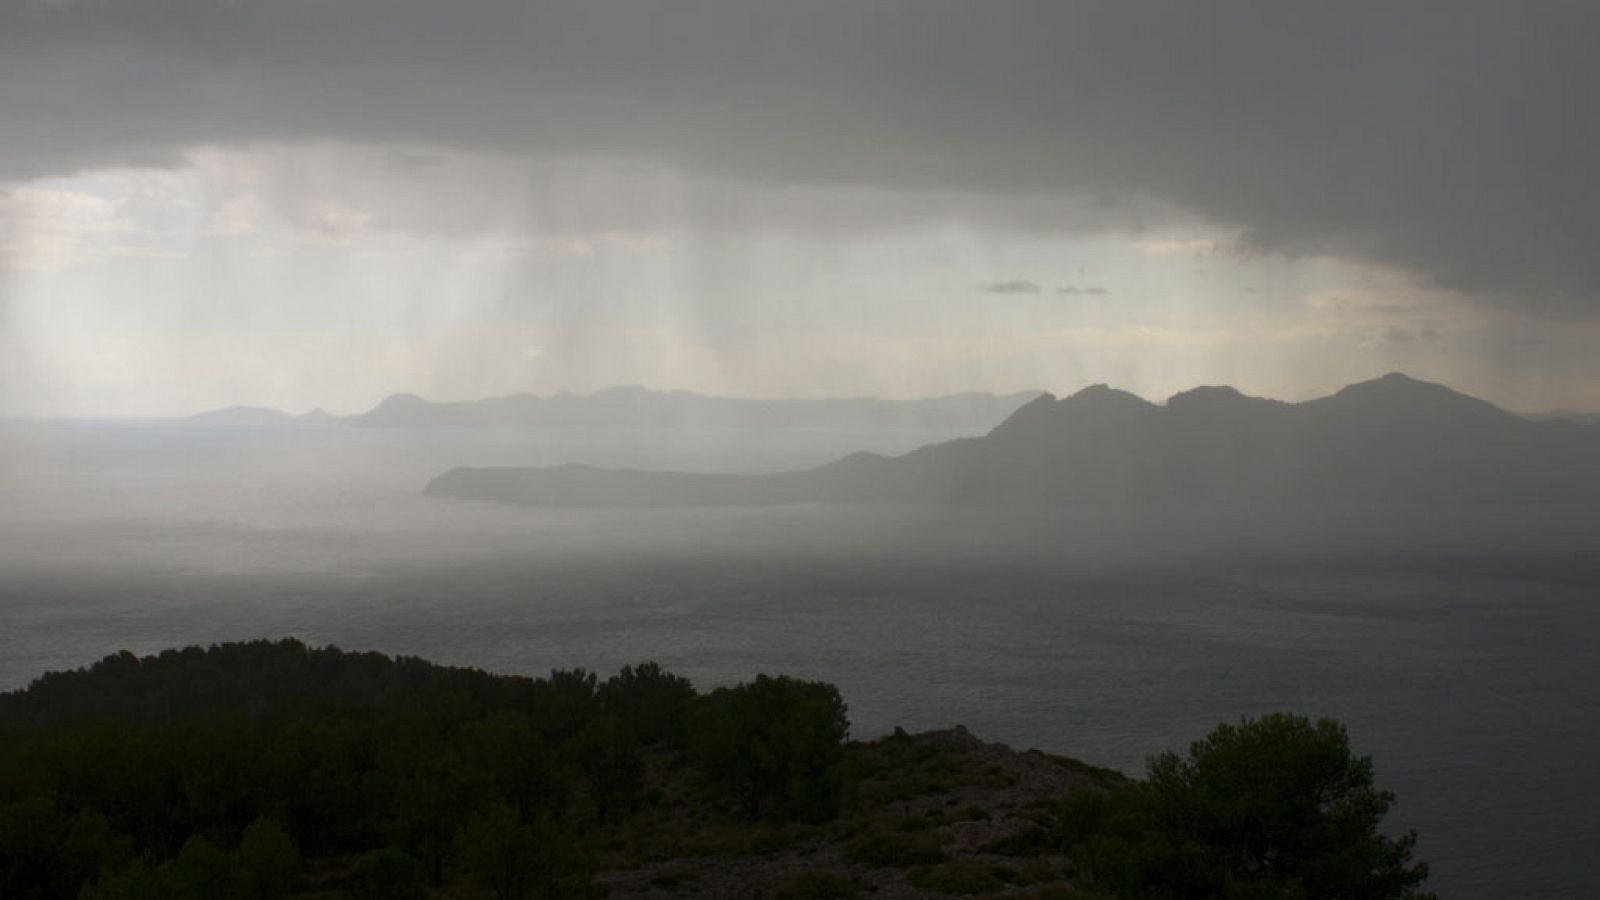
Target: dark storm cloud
pixel 1019 286
pixel 1454 139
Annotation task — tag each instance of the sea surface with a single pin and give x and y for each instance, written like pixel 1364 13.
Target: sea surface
pixel 1457 645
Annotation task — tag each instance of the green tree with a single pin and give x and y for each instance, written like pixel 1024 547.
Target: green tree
pixel 513 860
pixel 138 881
pixel 266 863
pixel 91 846
pixel 607 756
pixel 653 703
pixel 778 743
pixel 30 830
pixel 427 809
pixel 391 874
pixel 200 871
pixel 1273 807
pixel 507 755
pixel 564 702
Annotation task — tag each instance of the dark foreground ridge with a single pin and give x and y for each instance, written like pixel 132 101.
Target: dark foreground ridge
pixel 1391 440
pixel 272 770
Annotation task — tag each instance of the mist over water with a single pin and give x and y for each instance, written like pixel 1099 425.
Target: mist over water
pixel 1454 641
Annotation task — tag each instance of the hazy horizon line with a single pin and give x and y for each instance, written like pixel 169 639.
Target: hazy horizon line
pixel 784 398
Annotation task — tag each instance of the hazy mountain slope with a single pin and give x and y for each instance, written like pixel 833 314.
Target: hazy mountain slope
pixel 1391 440
pixel 634 407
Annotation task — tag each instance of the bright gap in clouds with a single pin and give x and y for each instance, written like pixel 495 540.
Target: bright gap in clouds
pixel 330 275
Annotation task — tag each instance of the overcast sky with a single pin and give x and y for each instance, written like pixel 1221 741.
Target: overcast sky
pixel 304 203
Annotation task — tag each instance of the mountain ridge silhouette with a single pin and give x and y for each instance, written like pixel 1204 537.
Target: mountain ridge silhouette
pixel 1393 439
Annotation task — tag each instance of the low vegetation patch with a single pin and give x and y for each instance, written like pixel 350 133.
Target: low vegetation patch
pixel 963 877
pixel 818 886
pixel 896 848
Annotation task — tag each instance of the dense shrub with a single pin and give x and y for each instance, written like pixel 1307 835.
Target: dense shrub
pixel 1271 807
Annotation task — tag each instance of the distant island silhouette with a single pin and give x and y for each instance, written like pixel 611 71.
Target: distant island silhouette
pixel 260 417
pixel 1393 439
pixel 635 407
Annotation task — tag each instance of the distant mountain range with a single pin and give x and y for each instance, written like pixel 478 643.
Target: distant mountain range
pixel 1391 440
pixel 636 407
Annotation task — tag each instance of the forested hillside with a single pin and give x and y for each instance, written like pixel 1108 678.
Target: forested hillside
pixel 271 769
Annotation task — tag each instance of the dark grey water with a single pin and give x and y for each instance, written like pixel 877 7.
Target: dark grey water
pixel 1464 666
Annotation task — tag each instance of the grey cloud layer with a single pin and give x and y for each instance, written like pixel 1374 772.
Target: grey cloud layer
pixel 1454 139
